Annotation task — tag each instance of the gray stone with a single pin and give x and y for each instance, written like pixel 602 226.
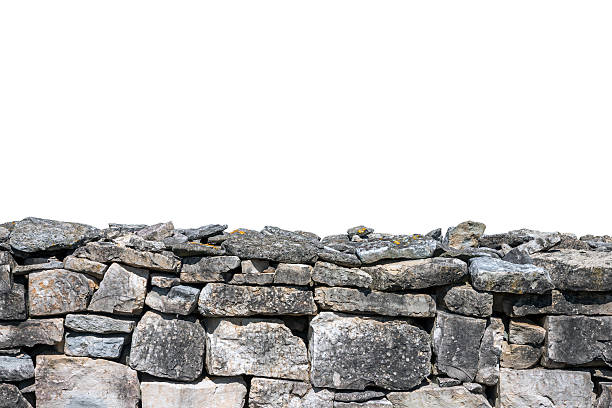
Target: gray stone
pixel 385 348
pixel 518 256
pixel 97 346
pixel 258 347
pixel 98 324
pixel 496 275
pixel 218 299
pixel 16 368
pixel 383 403
pixel 277 248
pixel 464 235
pixel 197 249
pixel 168 347
pixel 7 265
pixel 272 393
pixel 293 274
pixel 544 388
pixel 122 291
pixel 402 247
pixel 575 270
pixel 96 269
pixel 107 252
pixel 465 254
pixel 605 398
pixel 45 264
pixel 203 232
pixel 299 236
pixel 382 303
pixel 361 231
pixel 123 228
pixel 436 397
pixel 357 396
pixel 176 239
pixel 329 274
pixel 207 392
pixel 74 382
pixel 520 356
pixel 31 332
pixel 254 266
pixel 556 302
pixel 12 304
pixel 157 232
pixel 218 239
pixel 456 344
pixel 36 234
pixel 540 242
pixel 180 300
pixel 526 332
pixel 447 382
pixel 467 301
pixel 416 274
pixel 58 291
pixel 139 243
pixel 475 388
pixel 489 353
pixel 259 279
pixel 511 238
pixel 10 397
pixel 339 258
pixel 164 280
pixel 203 270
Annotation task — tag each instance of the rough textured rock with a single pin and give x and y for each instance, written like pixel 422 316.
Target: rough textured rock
pixel 83 382
pixel 180 300
pixel 197 249
pixel 556 302
pixel 31 332
pixel 416 274
pixel 122 291
pixel 203 232
pixel 16 368
pixel 383 403
pixel 7 265
pixel 464 235
pixel 13 304
pixel 526 332
pixel 520 356
pixel 167 347
pixel 259 279
pixel 293 274
pixel 382 303
pixel 489 353
pixel 357 396
pixel 495 275
pixel 436 397
pixel 402 247
pixel 218 299
pixel 578 339
pixel 107 252
pixel 97 346
pixel 575 270
pixel 98 324
pixel 58 291
pixel 339 258
pixel 605 398
pixel 10 397
pixel 545 389
pixel 203 270
pixel 333 275
pixel 467 301
pixel 456 344
pixel 36 234
pixel 207 392
pixel 93 268
pixel 270 247
pixel 254 266
pixel 37 264
pixel 512 238
pixel 164 280
pixel 156 232
pixel 256 347
pixel 335 341
pixel 272 393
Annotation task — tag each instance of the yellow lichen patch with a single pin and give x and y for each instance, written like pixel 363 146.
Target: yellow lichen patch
pixel 361 230
pixel 237 231
pixel 396 242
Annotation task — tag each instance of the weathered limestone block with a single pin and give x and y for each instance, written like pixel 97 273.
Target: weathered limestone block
pixel 575 270
pixel 58 291
pixel 204 270
pixel 207 392
pixel 526 332
pixel 293 274
pixel 7 265
pixel 259 279
pixel 402 247
pixel 98 324
pixel 203 232
pixel 556 302
pixel 254 266
pixel 383 403
pixel 218 299
pixel 520 356
pixel 13 304
pixel 36 234
pixel 382 303
pixel 157 232
pixel 544 388
pixel 66 382
pixel 578 339
pixel 180 300
pixel 358 396
pixel 97 346
pixel 436 397
pixel 467 301
pixel 37 264
pixel 254 347
pixel 605 398
pixel 168 347
pixel 384 349
pixel 31 332
pixel 329 274
pixel 253 245
pixel 495 275
pixel 164 280
pixel 489 353
pixel 197 249
pixel 122 291
pixel 10 397
pixel 16 368
pixel 107 252
pixel 456 344
pixel 83 265
pixel 339 258
pixel 271 393
pixel 464 235
pixel 416 274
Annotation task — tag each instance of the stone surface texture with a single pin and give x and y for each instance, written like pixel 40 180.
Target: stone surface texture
pixel 122 291
pixel 214 393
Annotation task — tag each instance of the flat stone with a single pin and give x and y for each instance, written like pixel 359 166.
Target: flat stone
pixel 122 291
pixel 203 232
pixel 416 274
pixel 31 332
pixel 83 382
pixel 559 303
pixel 7 265
pixel 107 252
pixel 357 396
pixel 13 304
pixel 467 301
pixel 386 348
pixel 490 351
pixel 44 265
pixel 93 268
pixel 544 388
pixel 436 397
pixel 298 236
pixel 157 232
pixel 10 397
pixel 293 274
pixel 204 270
pixel 138 243
pixel 383 403
pixel 254 347
pixel 270 247
pixel 98 324
pixel 464 235
pixel 36 234
pixel 465 254
pixel 180 300
pixel 126 228
pixel 164 280
pixel 58 291
pixel 207 392
pixel 447 382
pixel 197 249
pixel 526 332
pixel 168 347
pixel 326 273
pixel 382 303
pixel 218 299
pixel 456 344
pixel 254 266
pixel 97 346
pixel 495 275
pixel 575 270
pixel 272 393
pixel 16 368
pixel 402 247
pixel 339 258
pixel 520 356
pixel 512 238
pixel 259 279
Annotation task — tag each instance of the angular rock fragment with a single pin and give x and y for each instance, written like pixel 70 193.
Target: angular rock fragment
pixel 416 274
pixel 37 264
pixel 180 299
pixel 10 397
pixel 272 393
pixel 299 236
pixel 157 232
pixel 218 299
pixel 511 238
pixel 332 275
pixel 358 396
pixel 31 332
pixel 339 258
pixel 464 235
pixel 122 291
pixel 520 356
pixel 167 347
pixel 401 247
pixel 436 397
pixel 496 275
pixel 382 303
pixel 16 368
pixel 7 265
pixel 259 279
pixel 490 352
pixel 83 382
pixel 385 348
pixel 107 252
pixel 465 254
pixel 12 303
pixel 203 270
pixel 605 398
pixel 203 232
pixel 575 270
pixel 97 346
pixel 58 291
pixel 207 392
pixel 556 302
pixel 254 266
pixel 254 347
pixel 98 324
pixel 382 403
pixel 467 301
pixel 293 274
pixel 197 249
pixel 164 280
pixel 361 231
pixel 526 332
pixel 270 247
pixel 96 269
pixel 138 243
pixel 36 234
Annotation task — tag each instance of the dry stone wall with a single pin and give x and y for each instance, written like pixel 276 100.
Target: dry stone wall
pixel 155 316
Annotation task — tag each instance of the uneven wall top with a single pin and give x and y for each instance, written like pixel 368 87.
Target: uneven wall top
pixel 153 316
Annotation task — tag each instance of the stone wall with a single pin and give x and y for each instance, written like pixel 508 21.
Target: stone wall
pixel 153 316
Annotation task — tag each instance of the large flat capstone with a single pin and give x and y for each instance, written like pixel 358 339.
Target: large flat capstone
pixel 36 234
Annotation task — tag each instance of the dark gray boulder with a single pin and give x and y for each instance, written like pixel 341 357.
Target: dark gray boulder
pixel 10 397
pixel 12 303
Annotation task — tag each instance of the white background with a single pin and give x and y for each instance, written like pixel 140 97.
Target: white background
pixel 315 115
